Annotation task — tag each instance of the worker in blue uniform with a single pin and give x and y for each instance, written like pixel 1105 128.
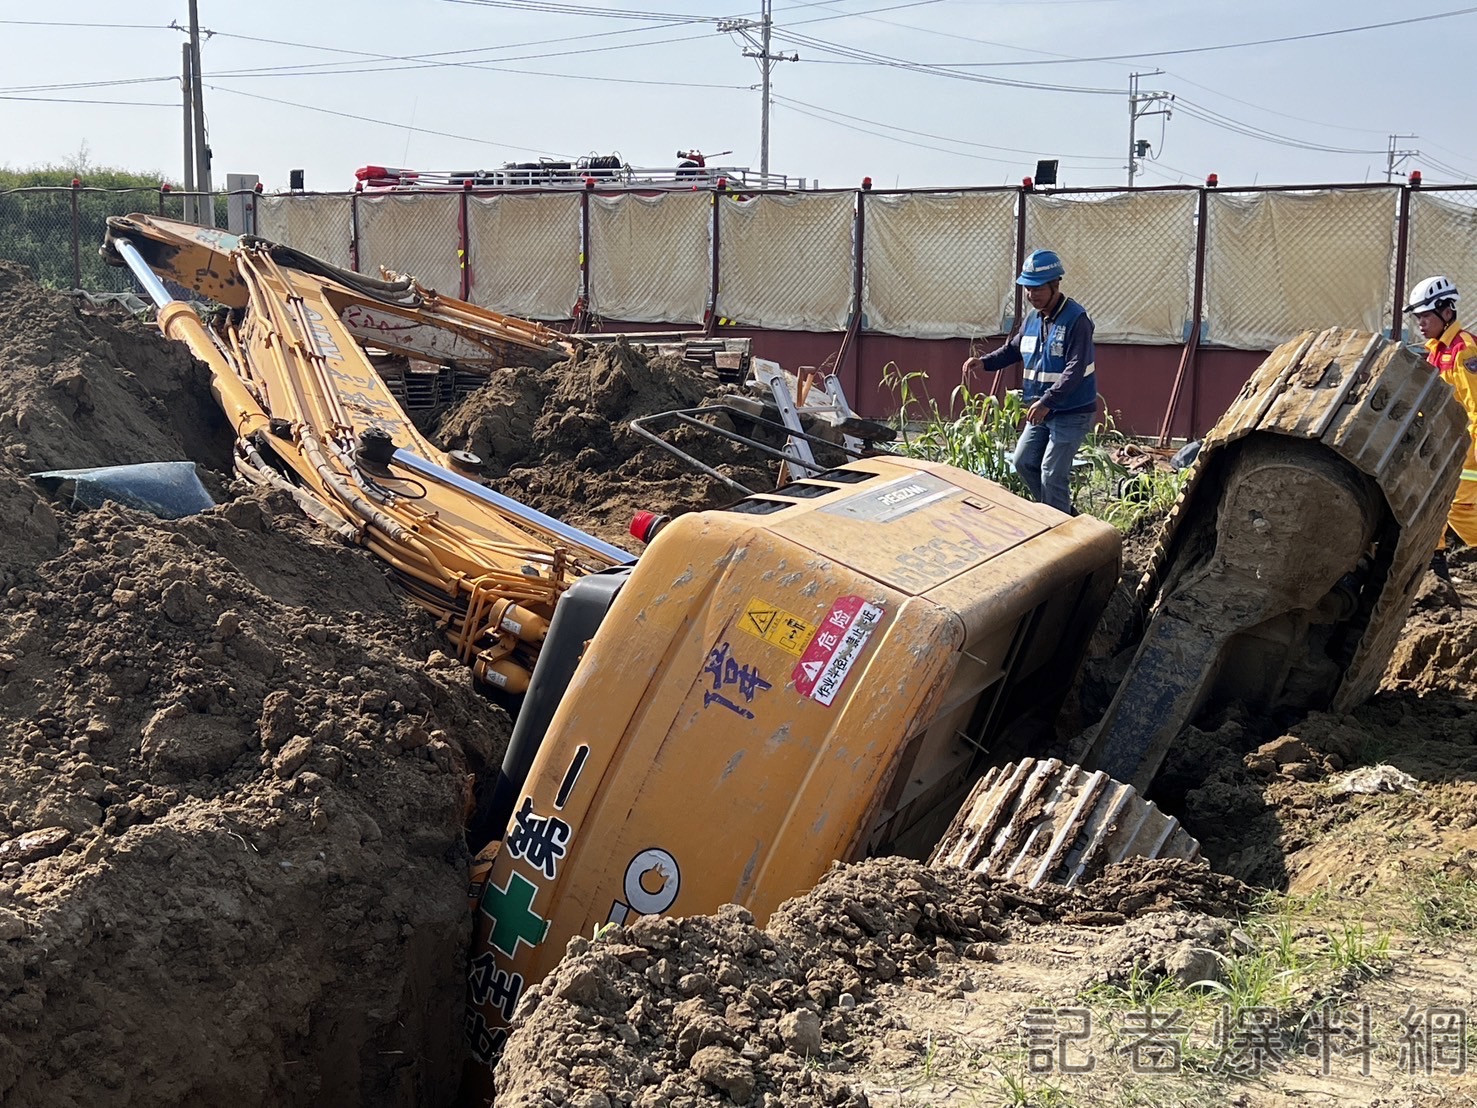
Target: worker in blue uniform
pixel 1054 345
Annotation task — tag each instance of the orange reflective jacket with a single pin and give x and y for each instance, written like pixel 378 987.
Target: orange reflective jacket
pixel 1455 355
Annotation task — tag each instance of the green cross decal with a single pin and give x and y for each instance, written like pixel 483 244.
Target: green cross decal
pixel 511 911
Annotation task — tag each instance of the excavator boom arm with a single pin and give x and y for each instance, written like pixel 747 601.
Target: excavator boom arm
pixel 312 416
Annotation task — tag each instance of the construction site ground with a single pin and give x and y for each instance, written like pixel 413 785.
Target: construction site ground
pixel 235 766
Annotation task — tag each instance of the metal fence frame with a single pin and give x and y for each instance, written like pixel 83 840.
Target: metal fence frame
pixel 169 202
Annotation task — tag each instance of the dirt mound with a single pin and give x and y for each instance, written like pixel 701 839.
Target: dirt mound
pixel 90 386
pixel 232 769
pixel 559 439
pixel 713 1010
pixel 1438 647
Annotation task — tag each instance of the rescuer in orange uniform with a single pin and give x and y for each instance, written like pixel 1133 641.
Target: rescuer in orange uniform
pixel 1453 351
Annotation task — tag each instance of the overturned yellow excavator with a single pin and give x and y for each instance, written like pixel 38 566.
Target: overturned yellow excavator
pixel 825 670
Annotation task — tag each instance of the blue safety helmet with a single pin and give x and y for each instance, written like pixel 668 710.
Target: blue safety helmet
pixel 1041 268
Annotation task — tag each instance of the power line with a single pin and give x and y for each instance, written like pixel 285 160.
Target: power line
pixel 942 138
pixel 1274 111
pixel 581 9
pixel 1227 45
pixel 792 105
pixel 386 123
pixel 88 84
pixel 867 57
pixel 1217 119
pixel 109 26
pixel 110 103
pixel 324 69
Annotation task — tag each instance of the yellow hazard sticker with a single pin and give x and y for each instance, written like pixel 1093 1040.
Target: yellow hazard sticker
pixel 776 626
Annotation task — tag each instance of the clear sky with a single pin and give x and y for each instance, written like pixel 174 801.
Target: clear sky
pixel 909 92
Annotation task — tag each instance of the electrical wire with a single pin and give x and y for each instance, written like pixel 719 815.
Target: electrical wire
pixel 790 106
pixel 324 69
pixel 110 103
pixel 1216 119
pixel 109 26
pixel 942 138
pixel 1274 111
pixel 1230 45
pixel 1442 167
pixel 89 84
pixel 387 123
pixel 856 56
pixel 543 6
pixel 436 54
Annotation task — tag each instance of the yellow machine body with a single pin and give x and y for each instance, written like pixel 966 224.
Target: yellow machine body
pixel 815 674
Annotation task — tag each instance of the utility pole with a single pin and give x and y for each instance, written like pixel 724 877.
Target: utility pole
pixel 206 213
pixel 759 49
pixel 1394 156
pixel 1139 104
pixel 187 85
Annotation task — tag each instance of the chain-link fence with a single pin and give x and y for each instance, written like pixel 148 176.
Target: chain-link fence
pixel 55 232
pixel 1277 263
pixel 785 260
pixel 939 265
pixel 416 235
pixel 650 257
pixel 1442 239
pixel 1129 256
pixel 927 264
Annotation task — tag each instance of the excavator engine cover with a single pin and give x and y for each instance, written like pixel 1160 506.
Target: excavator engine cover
pixel 814 674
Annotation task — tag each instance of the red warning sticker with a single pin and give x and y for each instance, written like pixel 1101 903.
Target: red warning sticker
pixel 835 647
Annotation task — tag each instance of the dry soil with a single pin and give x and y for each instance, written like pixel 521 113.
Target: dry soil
pixel 235 766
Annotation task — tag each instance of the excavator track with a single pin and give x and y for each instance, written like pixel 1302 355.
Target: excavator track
pixel 1291 556
pixel 1281 581
pixel 1042 820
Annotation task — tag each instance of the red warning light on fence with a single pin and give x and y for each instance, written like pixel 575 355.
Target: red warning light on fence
pixel 1027 184
pixel 1212 180
pixel 1415 178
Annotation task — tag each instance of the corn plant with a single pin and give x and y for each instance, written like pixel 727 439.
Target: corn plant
pixel 979 439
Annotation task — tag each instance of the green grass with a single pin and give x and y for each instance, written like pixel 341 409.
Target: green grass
pixel 1023 1092
pixel 1442 905
pixel 981 437
pixel 1353 951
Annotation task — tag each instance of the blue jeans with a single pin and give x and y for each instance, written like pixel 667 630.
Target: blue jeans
pixel 1043 456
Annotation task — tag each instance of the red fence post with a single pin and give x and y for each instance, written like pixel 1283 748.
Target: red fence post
pixel 1402 244
pixel 464 243
pixel 852 336
pixel 1187 366
pixel 76 236
pixel 354 229
pixel 1027 185
pixel 582 307
pixel 711 322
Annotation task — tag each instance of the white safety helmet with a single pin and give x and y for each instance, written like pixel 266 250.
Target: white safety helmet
pixel 1432 295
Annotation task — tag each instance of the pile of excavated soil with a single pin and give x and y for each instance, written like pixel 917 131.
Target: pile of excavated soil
pixel 233 768
pixel 714 1010
pixel 559 439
